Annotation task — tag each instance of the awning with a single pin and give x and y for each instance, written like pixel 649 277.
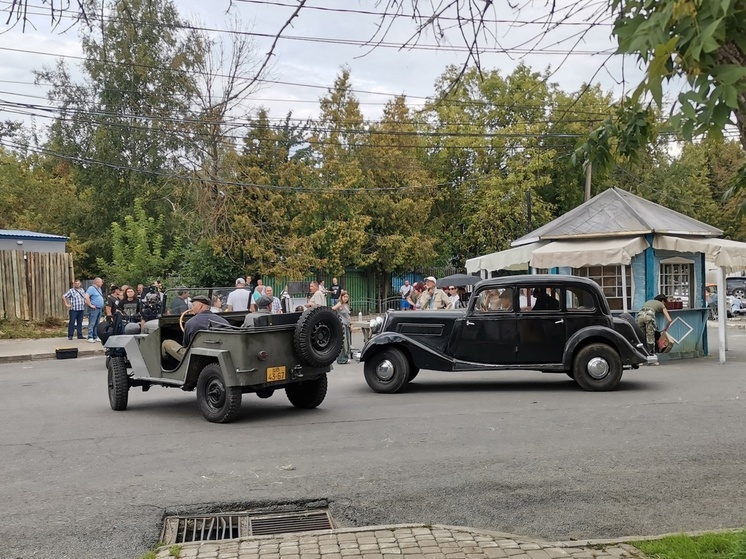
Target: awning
pixel 599 252
pixel 511 259
pixel 731 255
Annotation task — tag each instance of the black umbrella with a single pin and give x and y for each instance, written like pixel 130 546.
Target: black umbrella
pixel 457 280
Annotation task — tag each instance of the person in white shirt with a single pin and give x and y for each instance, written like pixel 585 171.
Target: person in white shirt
pixel 527 300
pixel 454 297
pixel 404 291
pixel 238 299
pixel 317 296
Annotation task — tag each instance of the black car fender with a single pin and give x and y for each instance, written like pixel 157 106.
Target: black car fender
pixel 420 355
pixel 628 354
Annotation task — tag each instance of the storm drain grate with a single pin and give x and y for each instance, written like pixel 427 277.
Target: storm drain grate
pixel 228 526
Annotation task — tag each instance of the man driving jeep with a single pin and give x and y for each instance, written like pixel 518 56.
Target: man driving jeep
pixel 201 320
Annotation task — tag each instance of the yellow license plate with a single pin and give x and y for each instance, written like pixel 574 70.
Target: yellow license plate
pixel 275 374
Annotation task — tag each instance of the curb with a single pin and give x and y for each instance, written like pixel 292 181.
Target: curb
pixel 622 543
pixel 45 356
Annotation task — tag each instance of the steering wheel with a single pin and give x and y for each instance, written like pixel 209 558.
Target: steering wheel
pixel 181 318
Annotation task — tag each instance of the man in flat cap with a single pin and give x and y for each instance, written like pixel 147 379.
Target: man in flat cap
pixel 263 308
pixel 201 320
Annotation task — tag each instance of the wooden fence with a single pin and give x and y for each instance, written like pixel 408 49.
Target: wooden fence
pixel 32 284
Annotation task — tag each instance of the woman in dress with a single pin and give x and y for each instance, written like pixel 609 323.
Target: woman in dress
pixel 342 308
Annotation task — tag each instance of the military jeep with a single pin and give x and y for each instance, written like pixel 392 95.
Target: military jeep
pixel 291 351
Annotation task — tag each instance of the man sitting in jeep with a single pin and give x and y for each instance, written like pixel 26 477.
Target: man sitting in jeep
pixel 201 320
pixel 263 308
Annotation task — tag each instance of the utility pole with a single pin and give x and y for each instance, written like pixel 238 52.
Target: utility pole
pixel 588 171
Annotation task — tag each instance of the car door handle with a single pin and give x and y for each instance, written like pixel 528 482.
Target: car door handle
pixel 469 323
pixel 560 321
pixel 215 342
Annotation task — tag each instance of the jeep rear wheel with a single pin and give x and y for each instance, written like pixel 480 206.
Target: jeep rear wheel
pixel 597 368
pixel 119 383
pixel 217 402
pixel 318 337
pixel 387 371
pixel 307 394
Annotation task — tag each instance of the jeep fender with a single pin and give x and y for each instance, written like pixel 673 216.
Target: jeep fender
pixel 628 354
pixel 199 357
pixel 420 356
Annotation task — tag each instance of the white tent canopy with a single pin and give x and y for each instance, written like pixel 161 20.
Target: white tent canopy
pixel 596 252
pixel 724 253
pixel 511 259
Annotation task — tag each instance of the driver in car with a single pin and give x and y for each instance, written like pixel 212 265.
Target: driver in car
pixel 201 320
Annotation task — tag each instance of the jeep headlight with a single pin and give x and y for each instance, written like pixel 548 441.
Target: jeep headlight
pixel 376 324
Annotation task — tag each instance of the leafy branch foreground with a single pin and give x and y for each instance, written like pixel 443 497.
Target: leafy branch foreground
pixel 725 545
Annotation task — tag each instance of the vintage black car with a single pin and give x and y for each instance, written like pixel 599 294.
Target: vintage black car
pixel 549 323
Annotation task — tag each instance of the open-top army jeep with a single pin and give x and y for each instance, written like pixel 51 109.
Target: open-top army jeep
pixel 549 323
pixel 284 351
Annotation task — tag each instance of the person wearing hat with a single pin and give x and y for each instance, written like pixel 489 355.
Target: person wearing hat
pixel 433 298
pixel 263 308
pixel 202 319
pixel 239 298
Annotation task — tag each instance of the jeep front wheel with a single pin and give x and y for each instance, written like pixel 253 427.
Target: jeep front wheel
pixel 217 402
pixel 307 394
pixel 387 371
pixel 119 383
pixel 597 368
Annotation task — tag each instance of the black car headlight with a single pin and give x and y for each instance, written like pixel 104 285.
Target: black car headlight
pixel 376 325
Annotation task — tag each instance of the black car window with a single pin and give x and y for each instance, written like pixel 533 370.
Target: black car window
pixel 494 300
pixel 579 299
pixel 546 298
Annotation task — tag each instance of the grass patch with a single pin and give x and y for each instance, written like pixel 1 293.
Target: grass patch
pixel 728 545
pixel 15 329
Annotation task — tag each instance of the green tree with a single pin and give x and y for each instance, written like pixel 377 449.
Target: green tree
pixel 488 141
pixel 138 251
pixel 122 127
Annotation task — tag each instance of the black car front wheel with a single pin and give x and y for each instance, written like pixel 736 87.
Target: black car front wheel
pixel 597 368
pixel 387 371
pixel 119 383
pixel 217 402
pixel 307 394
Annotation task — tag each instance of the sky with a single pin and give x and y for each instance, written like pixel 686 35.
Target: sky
pixel 310 53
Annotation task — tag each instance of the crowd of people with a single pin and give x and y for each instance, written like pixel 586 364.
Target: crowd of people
pixel 136 304
pixel 424 295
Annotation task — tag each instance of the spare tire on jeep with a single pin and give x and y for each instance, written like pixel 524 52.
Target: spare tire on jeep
pixel 318 337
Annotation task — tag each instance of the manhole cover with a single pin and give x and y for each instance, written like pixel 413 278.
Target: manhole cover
pixel 229 526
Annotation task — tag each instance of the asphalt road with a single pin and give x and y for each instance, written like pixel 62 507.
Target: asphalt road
pixel 518 452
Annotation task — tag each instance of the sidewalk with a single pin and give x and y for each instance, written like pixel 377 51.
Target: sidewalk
pixel 400 542
pixel 16 351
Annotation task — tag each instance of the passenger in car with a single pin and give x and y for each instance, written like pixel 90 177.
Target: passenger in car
pixel 544 301
pixel 201 320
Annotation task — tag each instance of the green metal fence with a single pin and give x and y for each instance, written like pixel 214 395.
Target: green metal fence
pixel 369 293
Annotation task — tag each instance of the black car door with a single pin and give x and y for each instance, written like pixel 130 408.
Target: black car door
pixel 541 326
pixel 487 334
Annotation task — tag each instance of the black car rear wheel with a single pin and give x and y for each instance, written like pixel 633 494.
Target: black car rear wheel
pixel 307 394
pixel 387 371
pixel 217 402
pixel 118 383
pixel 597 368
